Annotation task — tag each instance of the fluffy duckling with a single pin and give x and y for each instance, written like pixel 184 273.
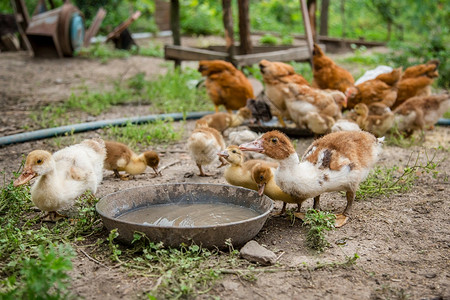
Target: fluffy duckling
pixel 203 145
pixel 222 121
pixel 119 157
pixel 376 124
pixel 239 172
pixel 419 113
pixel 264 178
pixel 336 162
pixel 63 176
pixel 345 125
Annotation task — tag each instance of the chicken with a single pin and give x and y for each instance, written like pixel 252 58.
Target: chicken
pixel 338 161
pixel 328 75
pixel 381 89
pixel 222 121
pixel 277 76
pixel 264 178
pixel 203 145
pixel 419 113
pixel 119 157
pixel 260 110
pixel 375 124
pixel 239 172
pixel 225 84
pixel 63 176
pixel 416 81
pixel 314 108
pixel 372 74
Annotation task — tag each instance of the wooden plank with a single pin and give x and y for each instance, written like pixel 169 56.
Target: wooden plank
pixel 95 26
pixel 173 52
pixel 255 49
pixel 296 54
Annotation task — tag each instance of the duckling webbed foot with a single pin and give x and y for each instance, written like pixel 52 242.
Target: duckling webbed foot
pixel 341 220
pixel 52 216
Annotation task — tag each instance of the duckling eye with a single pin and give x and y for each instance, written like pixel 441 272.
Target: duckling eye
pixel 274 140
pixel 234 151
pixel 261 177
pixel 39 161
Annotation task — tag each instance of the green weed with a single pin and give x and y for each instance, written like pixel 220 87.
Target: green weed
pixel 159 131
pixel 384 181
pixel 318 222
pixel 104 52
pixel 269 39
pixel 154 50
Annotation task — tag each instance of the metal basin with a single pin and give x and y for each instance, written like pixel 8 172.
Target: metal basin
pixel 117 204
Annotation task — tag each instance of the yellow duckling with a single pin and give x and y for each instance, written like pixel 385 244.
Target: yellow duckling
pixel 264 178
pixel 239 172
pixel 119 157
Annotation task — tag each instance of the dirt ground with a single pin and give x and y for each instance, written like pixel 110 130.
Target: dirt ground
pixel 403 241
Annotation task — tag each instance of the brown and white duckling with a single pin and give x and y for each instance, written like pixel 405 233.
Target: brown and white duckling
pixel 222 121
pixel 264 177
pixel 419 113
pixel 119 157
pixel 336 162
pixel 375 124
pixel 63 176
pixel 239 172
pixel 203 145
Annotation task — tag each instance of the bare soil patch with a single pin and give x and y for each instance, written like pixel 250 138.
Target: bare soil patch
pixel 403 241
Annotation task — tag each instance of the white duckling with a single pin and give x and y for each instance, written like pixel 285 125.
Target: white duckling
pixel 338 161
pixel 203 145
pixel 63 176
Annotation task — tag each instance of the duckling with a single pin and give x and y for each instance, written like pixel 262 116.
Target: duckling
pixel 119 157
pixel 203 145
pixel 63 176
pixel 338 161
pixel 264 178
pixel 239 172
pixel 419 113
pixel 376 124
pixel 222 121
pixel 345 125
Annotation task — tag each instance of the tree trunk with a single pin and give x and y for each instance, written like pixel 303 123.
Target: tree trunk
pixel 175 25
pixel 324 17
pixel 228 25
pixel 244 27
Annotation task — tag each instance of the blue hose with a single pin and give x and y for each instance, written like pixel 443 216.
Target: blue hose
pixel 444 122
pixel 52 132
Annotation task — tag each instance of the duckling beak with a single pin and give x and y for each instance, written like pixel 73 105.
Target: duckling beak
pixel 255 146
pixel 26 176
pixel 261 189
pixel 157 172
pixel 223 154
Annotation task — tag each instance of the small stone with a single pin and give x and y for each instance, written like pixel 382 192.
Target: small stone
pixel 274 242
pixel 432 275
pixel 254 252
pixel 230 285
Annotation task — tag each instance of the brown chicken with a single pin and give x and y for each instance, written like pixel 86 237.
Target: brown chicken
pixel 277 76
pixel 416 81
pixel 225 84
pixel 328 75
pixel 381 89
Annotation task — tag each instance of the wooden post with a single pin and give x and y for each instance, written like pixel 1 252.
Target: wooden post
pixel 308 32
pixel 228 25
pixel 343 18
pixel 312 4
pixel 244 27
pixel 324 17
pixel 175 25
pixel 22 19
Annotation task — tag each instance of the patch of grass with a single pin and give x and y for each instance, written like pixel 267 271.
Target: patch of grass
pixel 318 222
pixel 447 115
pixel 269 39
pixel 159 131
pixel 153 50
pixel 171 92
pixel 303 69
pixel 384 181
pixel 104 52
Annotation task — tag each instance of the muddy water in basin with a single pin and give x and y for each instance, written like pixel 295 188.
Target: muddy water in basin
pixel 189 215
